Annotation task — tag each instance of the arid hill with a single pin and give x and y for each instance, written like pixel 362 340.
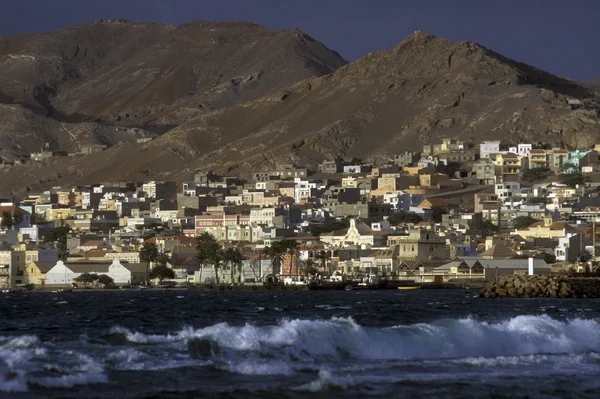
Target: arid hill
pixel 147 75
pixel 423 89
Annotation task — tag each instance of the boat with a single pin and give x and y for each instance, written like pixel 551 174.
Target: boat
pixel 409 287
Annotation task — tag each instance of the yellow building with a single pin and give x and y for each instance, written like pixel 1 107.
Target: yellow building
pixel 35 273
pixel 59 214
pixel 547 229
pixel 508 165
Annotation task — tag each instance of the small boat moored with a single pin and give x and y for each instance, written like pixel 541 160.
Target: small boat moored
pixel 409 287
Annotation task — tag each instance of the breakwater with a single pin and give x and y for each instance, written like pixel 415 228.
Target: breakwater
pixel 542 286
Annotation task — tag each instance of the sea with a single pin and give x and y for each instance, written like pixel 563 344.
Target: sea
pixel 317 344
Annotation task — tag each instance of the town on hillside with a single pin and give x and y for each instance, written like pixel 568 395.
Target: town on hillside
pixel 455 212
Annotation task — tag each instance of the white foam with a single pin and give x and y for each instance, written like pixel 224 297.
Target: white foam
pixel 326 380
pixel 464 338
pixel 261 367
pixel 18 384
pixel 84 371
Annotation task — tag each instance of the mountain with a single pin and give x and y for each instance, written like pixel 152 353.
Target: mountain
pixel 150 75
pixel 422 90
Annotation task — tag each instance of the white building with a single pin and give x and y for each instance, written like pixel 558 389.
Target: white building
pixel 568 248
pixel 507 191
pixel 65 274
pixel 352 169
pixel 489 147
pixel 402 201
pixel 521 150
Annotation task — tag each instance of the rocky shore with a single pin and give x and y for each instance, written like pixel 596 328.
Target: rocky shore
pixel 542 286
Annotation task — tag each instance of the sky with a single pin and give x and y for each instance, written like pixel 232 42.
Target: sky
pixel 559 36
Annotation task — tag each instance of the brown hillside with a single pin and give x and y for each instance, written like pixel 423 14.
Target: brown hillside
pixel 152 75
pixel 422 90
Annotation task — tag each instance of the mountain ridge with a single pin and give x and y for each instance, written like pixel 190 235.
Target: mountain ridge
pixel 149 75
pixel 421 90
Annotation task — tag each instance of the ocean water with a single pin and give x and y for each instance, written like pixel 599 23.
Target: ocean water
pixel 414 344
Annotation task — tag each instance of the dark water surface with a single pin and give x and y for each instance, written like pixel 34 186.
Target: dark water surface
pixel 429 344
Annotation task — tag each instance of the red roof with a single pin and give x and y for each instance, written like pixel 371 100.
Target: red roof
pixel 436 202
pixel 12 209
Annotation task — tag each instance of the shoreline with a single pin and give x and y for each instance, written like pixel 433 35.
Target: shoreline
pixel 262 288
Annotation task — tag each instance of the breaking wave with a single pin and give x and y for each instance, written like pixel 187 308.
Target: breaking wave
pixel 297 345
pixel 343 338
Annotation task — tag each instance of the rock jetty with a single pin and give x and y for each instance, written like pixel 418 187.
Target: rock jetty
pixel 542 286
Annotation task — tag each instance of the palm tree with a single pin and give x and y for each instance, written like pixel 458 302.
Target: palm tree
pixel 290 248
pixel 217 259
pixel 148 253
pixel 233 257
pixel 324 257
pixel 164 259
pixel 208 249
pixel 308 266
pixel 274 253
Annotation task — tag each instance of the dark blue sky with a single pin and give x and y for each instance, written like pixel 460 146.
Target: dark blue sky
pixel 560 36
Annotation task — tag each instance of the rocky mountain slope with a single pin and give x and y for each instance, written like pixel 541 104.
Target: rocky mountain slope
pixel 150 75
pixel 423 89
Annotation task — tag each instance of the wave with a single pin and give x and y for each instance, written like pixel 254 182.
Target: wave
pixel 343 338
pixel 293 347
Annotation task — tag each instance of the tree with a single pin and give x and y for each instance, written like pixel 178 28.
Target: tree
pixel 324 257
pixel 571 179
pixel 275 253
pixel 523 222
pixel 404 217
pixel 164 258
pixel 316 229
pixel 536 174
pixel 106 281
pixel 549 258
pixel 586 255
pixel 8 221
pixel 208 250
pixel 161 272
pixel 437 212
pixel 148 254
pixel 537 200
pixel 217 260
pixel 290 248
pixel 58 236
pixel 483 227
pixel 17 218
pixel 87 278
pixel 234 258
pixel 308 266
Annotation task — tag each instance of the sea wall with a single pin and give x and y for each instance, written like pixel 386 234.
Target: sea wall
pixel 542 286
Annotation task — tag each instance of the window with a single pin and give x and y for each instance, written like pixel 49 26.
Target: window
pixel 431 248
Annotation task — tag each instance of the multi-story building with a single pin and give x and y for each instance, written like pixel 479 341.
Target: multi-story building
pixel 538 159
pixel 408 158
pixel 217 219
pixel 579 159
pixel 485 171
pixel 268 217
pixel 557 159
pixel 507 165
pixel 507 190
pixel 521 150
pixel 489 147
pixel 288 172
pixel 421 245
pixel 330 166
